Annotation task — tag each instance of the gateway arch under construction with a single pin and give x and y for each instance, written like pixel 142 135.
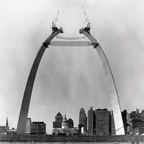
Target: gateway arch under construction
pixel 72 43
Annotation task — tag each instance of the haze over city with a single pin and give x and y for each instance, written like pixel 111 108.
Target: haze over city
pixel 70 78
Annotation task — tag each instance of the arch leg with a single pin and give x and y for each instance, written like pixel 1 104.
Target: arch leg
pixel 111 83
pixel 30 82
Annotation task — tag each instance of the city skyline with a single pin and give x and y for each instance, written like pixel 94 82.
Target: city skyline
pixel 70 78
pixel 93 122
pixel 83 119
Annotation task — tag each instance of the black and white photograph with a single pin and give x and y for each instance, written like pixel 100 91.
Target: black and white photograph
pixel 72 71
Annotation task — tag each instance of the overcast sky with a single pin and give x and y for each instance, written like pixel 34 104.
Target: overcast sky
pixel 70 78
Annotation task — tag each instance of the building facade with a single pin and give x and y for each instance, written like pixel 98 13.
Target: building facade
pixel 67 127
pixel 82 116
pixel 124 118
pixel 3 130
pixel 137 122
pixel 90 121
pixel 58 121
pixel 38 128
pixel 71 123
pixel 28 126
pixel 82 121
pixel 85 125
pixel 103 122
pixel 65 123
pixel 135 114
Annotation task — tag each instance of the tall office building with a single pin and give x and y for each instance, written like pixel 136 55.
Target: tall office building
pixel 102 122
pixel 85 125
pixel 82 120
pixel 90 121
pixel 71 123
pixel 58 121
pixel 124 117
pixel 82 116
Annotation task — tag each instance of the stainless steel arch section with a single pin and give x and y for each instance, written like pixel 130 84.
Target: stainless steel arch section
pixel 30 82
pixel 111 83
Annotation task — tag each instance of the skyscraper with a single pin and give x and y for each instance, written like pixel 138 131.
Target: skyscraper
pixel 124 117
pixel 102 122
pixel 58 121
pixel 85 124
pixel 71 123
pixel 82 116
pixel 82 120
pixel 90 120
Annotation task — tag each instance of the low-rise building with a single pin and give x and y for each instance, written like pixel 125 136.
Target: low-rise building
pixel 3 130
pixel 38 128
pixel 66 128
